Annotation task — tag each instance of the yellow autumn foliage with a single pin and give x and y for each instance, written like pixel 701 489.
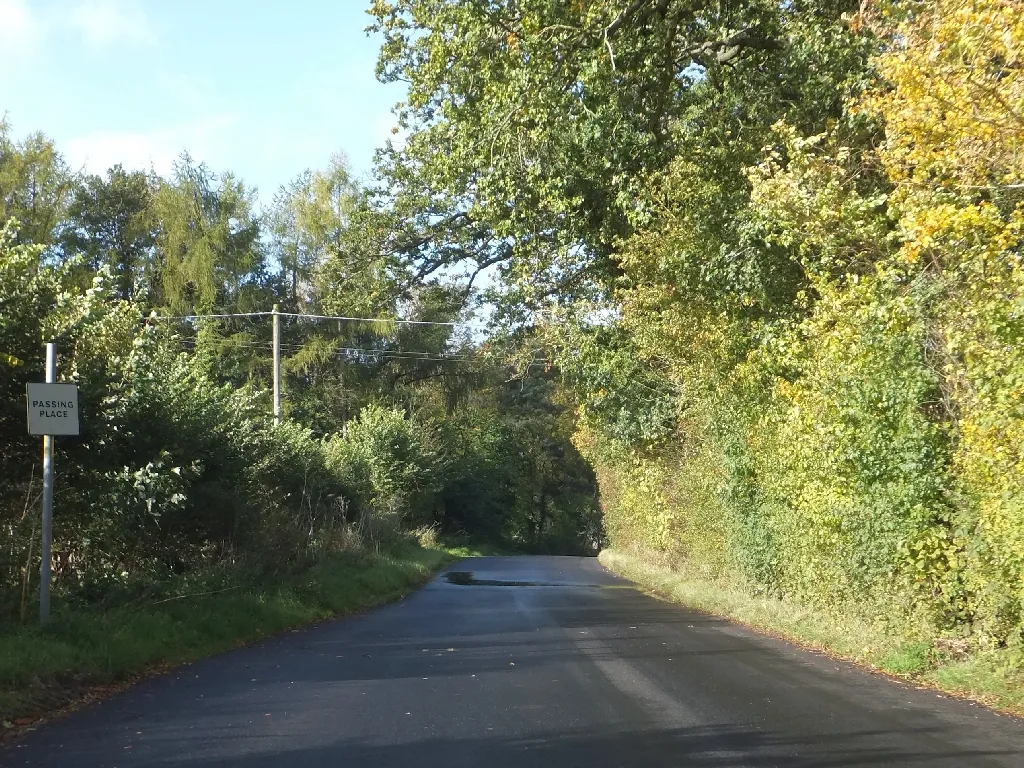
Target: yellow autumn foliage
pixel 953 110
pixel 863 453
pixel 954 105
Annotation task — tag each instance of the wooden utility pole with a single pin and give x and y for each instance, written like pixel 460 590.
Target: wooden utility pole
pixel 277 365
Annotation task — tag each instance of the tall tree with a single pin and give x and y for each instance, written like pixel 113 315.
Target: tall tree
pixel 111 221
pixel 308 224
pixel 208 239
pixel 36 186
pixel 534 127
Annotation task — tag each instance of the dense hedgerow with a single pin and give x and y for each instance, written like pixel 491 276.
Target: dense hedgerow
pixel 178 471
pixel 850 439
pixel 172 470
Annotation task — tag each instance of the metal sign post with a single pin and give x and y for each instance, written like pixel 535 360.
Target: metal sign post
pixel 44 568
pixel 52 409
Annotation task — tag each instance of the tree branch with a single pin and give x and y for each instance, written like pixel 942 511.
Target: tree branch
pixel 729 48
pixel 624 15
pixel 501 256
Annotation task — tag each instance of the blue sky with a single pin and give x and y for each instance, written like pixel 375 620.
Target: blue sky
pixel 264 88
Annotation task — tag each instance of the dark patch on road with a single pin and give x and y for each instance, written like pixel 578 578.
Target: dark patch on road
pixel 466 579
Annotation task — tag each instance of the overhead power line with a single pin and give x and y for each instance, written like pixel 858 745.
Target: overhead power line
pixel 300 316
pixel 155 316
pixel 275 346
pixel 394 355
pixel 382 353
pixel 266 346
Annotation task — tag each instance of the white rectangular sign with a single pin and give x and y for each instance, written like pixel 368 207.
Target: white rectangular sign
pixel 52 409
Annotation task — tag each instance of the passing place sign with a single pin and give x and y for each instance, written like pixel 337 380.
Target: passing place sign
pixel 52 409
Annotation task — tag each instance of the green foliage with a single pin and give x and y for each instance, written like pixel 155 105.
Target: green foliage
pixel 111 222
pixel 185 469
pixel 858 462
pixel 536 127
pixel 179 468
pixel 840 349
pixel 776 249
pixel 618 391
pixel 208 238
pixel 329 245
pixel 386 463
pixel 907 659
pixel 514 474
pixel 36 186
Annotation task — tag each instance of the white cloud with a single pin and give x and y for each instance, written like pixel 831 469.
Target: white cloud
pixel 157 149
pixel 18 27
pixel 104 23
pixel 99 24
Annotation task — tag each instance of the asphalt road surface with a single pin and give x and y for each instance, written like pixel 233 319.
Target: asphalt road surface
pixel 531 661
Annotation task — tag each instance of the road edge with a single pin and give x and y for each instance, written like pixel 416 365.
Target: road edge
pixel 58 698
pixel 841 639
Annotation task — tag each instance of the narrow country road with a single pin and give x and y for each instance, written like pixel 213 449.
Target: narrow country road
pixel 529 661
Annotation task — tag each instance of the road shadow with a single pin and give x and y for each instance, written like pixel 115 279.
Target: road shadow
pixel 699 747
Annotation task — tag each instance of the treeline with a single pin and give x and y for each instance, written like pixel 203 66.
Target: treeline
pixel 778 246
pixel 149 285
pixel 762 261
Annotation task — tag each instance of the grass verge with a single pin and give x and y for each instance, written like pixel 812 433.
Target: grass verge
pixel 995 678
pixel 82 653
